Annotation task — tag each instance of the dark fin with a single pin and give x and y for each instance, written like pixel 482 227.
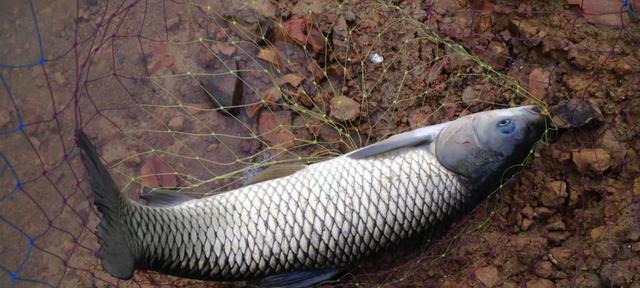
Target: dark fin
pixel 299 278
pixel 116 256
pixel 163 197
pixel 416 137
pixel 274 172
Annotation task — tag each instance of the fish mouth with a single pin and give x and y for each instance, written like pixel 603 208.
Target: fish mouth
pixel 536 122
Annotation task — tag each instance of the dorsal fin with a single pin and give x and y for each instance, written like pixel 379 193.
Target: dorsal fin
pixel 415 137
pixel 163 197
pixel 276 171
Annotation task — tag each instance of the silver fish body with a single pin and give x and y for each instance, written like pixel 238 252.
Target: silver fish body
pixel 329 214
pixel 302 228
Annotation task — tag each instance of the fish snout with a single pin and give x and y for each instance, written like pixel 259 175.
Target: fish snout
pixel 533 109
pixel 536 122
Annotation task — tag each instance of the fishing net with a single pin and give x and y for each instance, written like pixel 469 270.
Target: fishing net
pixel 201 95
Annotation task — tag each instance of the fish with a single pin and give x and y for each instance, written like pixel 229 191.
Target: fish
pixel 301 225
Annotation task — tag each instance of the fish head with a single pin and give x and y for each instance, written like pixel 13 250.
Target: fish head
pixel 482 146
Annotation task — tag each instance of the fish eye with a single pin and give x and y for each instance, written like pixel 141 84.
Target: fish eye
pixel 506 126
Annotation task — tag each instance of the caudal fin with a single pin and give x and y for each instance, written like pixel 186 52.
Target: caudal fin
pixel 115 254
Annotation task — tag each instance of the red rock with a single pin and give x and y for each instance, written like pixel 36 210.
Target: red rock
pixel 133 159
pixel 605 12
pixel 528 212
pixel 591 161
pixel 447 283
pixel 540 283
pixel 301 96
pixel 544 269
pixel 539 82
pixel 274 128
pixel 509 285
pixel 213 147
pixel 587 279
pixel 608 141
pixel 271 55
pixel 618 274
pixel 315 70
pixel 155 173
pixel 344 108
pixel 455 59
pixel 616 188
pixel 554 193
pixel 176 123
pixel 253 109
pixel 271 96
pixel 556 226
pixel 623 66
pixel 558 237
pixel 561 256
pixel 225 49
pixel 498 55
pixel 530 30
pixel 488 275
pixel 598 6
pixel 293 79
pixel 336 70
pixel 544 212
pixel 443 7
pixel 577 83
pixel 302 30
pixel 529 242
pixel 484 23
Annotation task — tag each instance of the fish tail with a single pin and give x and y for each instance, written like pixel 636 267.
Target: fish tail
pixel 117 257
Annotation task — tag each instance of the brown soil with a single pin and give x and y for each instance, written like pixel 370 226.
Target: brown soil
pixel 294 81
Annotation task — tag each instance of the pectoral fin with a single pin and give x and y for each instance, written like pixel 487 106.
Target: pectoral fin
pixel 299 278
pixel 412 138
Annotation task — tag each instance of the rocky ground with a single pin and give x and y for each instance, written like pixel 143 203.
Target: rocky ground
pixel 200 95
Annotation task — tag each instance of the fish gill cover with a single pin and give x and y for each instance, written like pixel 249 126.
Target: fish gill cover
pixel 200 95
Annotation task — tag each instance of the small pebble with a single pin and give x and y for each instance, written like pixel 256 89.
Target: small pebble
pixel 176 123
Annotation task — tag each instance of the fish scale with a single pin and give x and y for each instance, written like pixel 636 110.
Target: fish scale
pixel 328 214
